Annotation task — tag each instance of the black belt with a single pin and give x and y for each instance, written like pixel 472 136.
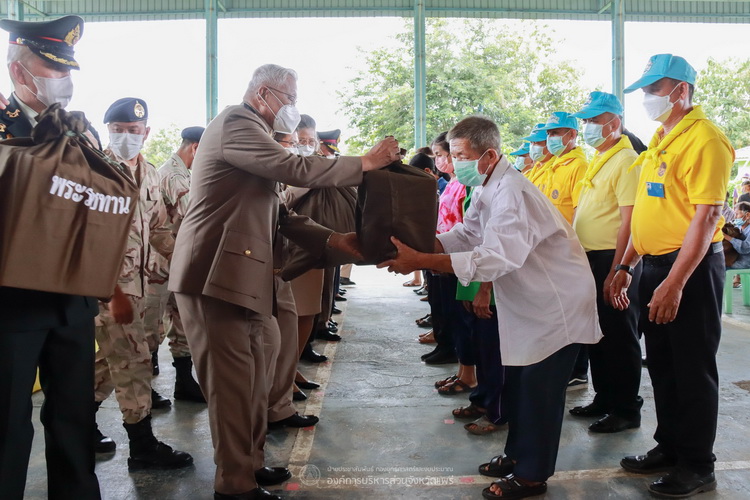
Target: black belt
pixel 668 259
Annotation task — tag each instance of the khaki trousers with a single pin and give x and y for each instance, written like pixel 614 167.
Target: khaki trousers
pixel 228 353
pixel 123 362
pixel 162 319
pixel 282 353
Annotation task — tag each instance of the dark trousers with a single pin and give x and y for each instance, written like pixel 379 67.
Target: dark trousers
pixel 682 361
pixel 441 326
pixel 65 357
pixel 534 397
pixel 616 359
pixel 460 321
pixel 581 366
pixel 490 371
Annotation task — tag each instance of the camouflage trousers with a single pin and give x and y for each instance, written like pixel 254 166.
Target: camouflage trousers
pixel 162 320
pixel 123 362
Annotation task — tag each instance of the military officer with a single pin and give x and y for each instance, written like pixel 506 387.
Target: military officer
pixel 676 230
pixel 50 330
pixel 174 176
pixel 123 361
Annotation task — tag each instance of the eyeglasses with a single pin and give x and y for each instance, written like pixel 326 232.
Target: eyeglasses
pixel 292 98
pixel 308 142
pixel 288 143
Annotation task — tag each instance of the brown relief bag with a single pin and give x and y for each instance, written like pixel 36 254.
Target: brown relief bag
pixel 398 200
pixel 65 210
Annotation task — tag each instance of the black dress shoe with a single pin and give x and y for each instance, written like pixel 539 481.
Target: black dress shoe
pixel 295 420
pixel 441 358
pixel 612 423
pixel 308 384
pixel 335 310
pixel 342 291
pixel 331 322
pixel 339 298
pixel 298 396
pixel 158 401
pixel 653 461
pixel 268 476
pixel 589 410
pixel 682 484
pixel 326 335
pixel 102 443
pixel 331 327
pixel 308 354
pixel 428 354
pixel 256 494
pixel 346 282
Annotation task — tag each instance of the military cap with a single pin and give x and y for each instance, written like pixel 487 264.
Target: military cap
pixel 127 109
pixel 51 40
pixel 192 134
pixel 330 139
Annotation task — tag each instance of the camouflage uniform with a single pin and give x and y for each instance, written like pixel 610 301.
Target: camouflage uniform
pixel 162 317
pixel 123 361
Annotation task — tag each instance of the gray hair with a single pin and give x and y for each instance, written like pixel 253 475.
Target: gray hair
pixel 480 131
pixel 271 75
pixel 306 121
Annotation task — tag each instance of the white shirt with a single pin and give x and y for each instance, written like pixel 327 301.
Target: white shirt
pixel 544 290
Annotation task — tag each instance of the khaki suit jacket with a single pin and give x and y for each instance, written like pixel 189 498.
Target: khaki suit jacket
pixel 224 248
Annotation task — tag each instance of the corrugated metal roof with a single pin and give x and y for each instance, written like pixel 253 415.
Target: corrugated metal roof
pixel 737 11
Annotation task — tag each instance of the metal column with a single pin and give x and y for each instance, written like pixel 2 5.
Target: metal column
pixel 212 79
pixel 15 10
pixel 618 47
pixel 420 69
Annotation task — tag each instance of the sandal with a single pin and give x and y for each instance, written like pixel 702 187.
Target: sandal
pixel 445 381
pixel 481 426
pixel 429 338
pixel 499 466
pixel 455 387
pixel 425 322
pixel 422 318
pixel 512 488
pixel 471 411
pixel 412 283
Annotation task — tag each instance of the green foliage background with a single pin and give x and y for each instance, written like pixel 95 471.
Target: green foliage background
pixel 162 144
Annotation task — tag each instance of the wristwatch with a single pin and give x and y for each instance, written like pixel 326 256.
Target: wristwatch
pixel 623 267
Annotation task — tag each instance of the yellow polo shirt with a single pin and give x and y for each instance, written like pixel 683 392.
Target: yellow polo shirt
pixel 536 171
pixel 692 163
pixel 597 219
pixel 560 183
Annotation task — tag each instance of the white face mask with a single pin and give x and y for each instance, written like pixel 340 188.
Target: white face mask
pixel 286 119
pixel 592 133
pixel 125 146
pixel 292 150
pixel 536 152
pixel 519 164
pixel 306 150
pixel 658 107
pixel 51 90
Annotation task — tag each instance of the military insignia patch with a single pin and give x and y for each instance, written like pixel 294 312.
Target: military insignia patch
pixel 138 110
pixel 555 194
pixel 13 114
pixel 73 35
pixel 662 169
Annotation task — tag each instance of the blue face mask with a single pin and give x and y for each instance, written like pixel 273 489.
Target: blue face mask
pixel 738 222
pixel 467 172
pixel 555 145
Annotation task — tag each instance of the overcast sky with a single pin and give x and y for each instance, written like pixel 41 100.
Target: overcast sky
pixel 163 62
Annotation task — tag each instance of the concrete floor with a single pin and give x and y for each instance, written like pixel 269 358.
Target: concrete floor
pixel 386 433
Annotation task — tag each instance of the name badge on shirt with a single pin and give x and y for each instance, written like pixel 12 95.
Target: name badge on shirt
pixel 655 189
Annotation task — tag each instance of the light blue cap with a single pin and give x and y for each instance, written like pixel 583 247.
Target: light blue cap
pixel 664 66
pixel 523 150
pixel 538 134
pixel 561 119
pixel 599 103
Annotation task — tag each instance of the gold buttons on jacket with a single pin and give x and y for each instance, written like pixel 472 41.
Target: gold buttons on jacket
pixel 248 253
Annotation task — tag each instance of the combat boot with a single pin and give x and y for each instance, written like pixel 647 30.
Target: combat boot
pixel 185 386
pixel 102 444
pixel 155 363
pixel 159 402
pixel 146 452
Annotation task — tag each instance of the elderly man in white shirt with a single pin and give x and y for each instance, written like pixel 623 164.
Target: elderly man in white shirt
pixel 513 237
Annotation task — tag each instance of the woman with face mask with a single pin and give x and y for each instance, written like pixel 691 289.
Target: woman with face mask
pixel 741 243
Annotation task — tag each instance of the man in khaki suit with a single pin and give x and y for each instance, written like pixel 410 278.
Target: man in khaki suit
pixel 222 269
